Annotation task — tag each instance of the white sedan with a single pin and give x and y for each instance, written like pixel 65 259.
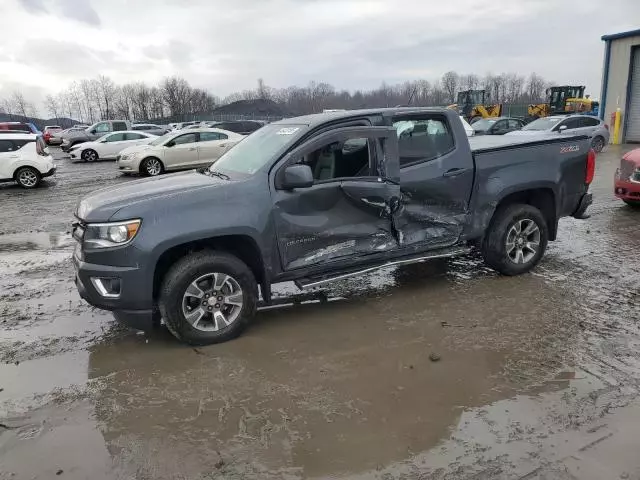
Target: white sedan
pixel 110 145
pixel 178 150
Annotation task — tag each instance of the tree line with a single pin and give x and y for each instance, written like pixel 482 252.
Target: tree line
pixel 91 100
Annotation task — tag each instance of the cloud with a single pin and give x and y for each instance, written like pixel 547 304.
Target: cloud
pixel 226 45
pixel 34 6
pixel 80 10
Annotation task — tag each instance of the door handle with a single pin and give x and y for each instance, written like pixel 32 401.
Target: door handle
pixel 223 145
pixel 192 149
pixel 454 172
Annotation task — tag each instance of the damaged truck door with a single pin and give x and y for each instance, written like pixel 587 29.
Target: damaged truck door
pixel 335 196
pixel 436 176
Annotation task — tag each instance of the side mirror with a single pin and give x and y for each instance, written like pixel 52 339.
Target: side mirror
pixel 93 132
pixel 170 144
pixel 562 128
pixel 297 176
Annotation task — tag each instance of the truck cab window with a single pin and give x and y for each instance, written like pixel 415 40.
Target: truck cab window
pixel 103 127
pixel 340 160
pixel 420 140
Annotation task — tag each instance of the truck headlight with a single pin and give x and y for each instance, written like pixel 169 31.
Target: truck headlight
pixel 104 235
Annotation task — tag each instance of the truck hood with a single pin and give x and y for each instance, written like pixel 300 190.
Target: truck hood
pixel 144 195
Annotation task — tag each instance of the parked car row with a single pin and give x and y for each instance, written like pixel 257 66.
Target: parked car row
pixel 147 154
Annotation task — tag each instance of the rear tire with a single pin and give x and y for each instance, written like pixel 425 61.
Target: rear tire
pixel 28 177
pixel 151 167
pixel 216 290
pixel 516 239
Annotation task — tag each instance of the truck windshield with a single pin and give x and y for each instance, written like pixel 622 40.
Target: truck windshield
pixel 546 123
pixel 248 156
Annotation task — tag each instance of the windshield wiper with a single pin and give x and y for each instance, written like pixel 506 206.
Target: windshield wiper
pixel 221 175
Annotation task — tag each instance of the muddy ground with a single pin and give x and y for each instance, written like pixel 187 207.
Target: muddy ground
pixel 537 377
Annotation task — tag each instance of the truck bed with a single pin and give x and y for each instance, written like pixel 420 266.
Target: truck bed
pixel 488 143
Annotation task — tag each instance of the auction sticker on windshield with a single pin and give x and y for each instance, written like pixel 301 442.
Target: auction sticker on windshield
pixel 287 131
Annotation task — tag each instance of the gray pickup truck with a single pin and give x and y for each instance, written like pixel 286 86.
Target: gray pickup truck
pixel 318 198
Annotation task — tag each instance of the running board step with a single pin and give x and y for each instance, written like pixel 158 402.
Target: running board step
pixel 314 281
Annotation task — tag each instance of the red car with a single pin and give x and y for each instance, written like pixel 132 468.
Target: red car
pixel 627 179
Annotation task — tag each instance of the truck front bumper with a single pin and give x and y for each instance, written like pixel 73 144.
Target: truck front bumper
pixel 124 302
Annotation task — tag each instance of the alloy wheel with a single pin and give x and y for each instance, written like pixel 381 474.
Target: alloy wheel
pixel 523 241
pixel 153 167
pixel 28 178
pixel 212 302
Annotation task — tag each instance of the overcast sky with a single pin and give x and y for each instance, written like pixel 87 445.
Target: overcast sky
pixel 224 46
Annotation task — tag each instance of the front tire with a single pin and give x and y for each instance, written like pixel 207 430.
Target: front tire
pixel 516 240
pixel 28 177
pixel 208 297
pixel 89 155
pixel 152 167
pixel 633 204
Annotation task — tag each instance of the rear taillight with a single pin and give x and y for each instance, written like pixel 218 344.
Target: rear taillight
pixel 591 167
pixel 606 126
pixel 40 147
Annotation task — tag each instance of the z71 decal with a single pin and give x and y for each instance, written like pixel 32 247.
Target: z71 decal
pixel 569 149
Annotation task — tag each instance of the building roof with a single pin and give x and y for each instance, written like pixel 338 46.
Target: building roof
pixel 618 36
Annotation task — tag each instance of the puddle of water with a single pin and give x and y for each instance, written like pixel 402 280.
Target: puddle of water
pixel 39 377
pixel 34 241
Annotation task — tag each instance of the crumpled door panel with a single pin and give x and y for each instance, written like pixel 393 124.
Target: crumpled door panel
pixel 331 223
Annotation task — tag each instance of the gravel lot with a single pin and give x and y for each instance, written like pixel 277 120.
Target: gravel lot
pixel 537 375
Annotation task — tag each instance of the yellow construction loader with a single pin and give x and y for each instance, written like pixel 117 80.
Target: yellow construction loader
pixel 471 104
pixel 564 99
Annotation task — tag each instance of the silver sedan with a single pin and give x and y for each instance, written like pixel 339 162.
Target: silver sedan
pixel 570 124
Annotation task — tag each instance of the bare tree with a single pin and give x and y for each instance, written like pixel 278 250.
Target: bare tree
pixel 6 106
pixel 469 81
pixel 107 95
pixel 52 106
pixel 88 99
pixel 450 81
pixel 22 106
pixel 514 84
pixel 535 88
pixel 176 93
pixel 263 91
